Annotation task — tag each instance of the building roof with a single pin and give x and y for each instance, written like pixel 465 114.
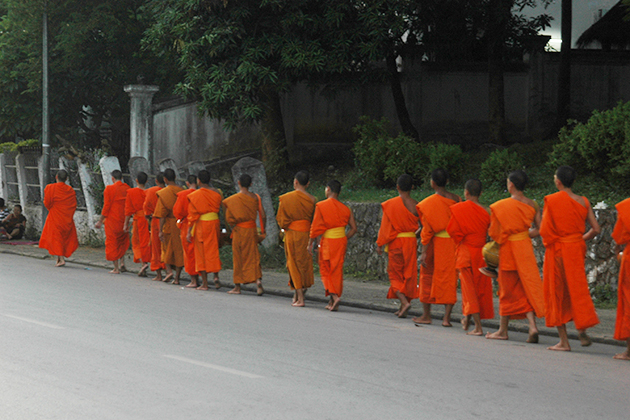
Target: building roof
pixel 612 31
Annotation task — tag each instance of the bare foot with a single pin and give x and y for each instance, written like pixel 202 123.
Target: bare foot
pixel 60 264
pixel 235 291
pixel 533 338
pixel 143 271
pixel 168 277
pixel 475 332
pixel 298 304
pixel 259 288
pixel 191 285
pixel 330 302
pixel 421 320
pixel 114 271
pixel 585 340
pixel 496 336
pixel 465 323
pixel 217 283
pixel 123 269
pixel 157 278
pixel 335 305
pixel 203 288
pixel 176 282
pixel 446 324
pixel 622 356
pixel 404 310
pixel 559 347
pixel 397 313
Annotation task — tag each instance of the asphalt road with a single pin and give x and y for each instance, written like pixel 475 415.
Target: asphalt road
pixel 83 344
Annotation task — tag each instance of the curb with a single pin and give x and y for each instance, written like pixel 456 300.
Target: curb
pixel 349 303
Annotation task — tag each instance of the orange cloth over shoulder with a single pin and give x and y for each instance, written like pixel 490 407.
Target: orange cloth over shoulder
pixel 140 236
pixel 468 227
pixel 567 296
pixel 295 213
pixel 621 235
pixel 59 235
pixel 241 212
pixel 402 253
pixel 156 246
pixel 180 211
pixel 172 251
pixel 330 214
pixel 521 288
pixel 438 276
pixel 206 232
pixel 116 239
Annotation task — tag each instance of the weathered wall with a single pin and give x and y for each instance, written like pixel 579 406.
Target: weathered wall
pixel 601 264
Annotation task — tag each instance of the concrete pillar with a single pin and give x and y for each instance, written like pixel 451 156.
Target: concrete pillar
pixel 4 191
pixel 86 186
pixel 139 164
pixel 20 163
pixel 141 123
pixel 108 165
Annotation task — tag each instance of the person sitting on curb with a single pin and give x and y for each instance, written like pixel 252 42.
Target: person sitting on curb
pixel 14 224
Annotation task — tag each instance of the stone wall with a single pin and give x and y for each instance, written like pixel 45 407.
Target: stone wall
pixel 86 233
pixel 601 264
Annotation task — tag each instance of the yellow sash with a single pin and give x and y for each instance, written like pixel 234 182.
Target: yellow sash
pixel 519 236
pixel 206 217
pixel 335 233
pixel 401 235
pixel 442 234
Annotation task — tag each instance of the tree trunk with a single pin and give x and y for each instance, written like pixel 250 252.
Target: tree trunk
pixel 399 99
pixel 564 74
pixel 274 142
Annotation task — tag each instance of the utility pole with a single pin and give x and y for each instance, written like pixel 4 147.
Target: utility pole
pixel 45 111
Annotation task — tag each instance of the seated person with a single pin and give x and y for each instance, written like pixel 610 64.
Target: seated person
pixel 14 224
pixel 4 212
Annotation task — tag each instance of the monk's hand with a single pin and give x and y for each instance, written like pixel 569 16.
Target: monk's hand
pixel 423 258
pixel 126 228
pixel 98 225
pixel 161 235
pixel 379 250
pixel 189 237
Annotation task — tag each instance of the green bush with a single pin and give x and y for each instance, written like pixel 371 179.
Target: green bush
pixel 404 156
pixel 28 143
pixel 601 145
pixel 447 156
pixel 496 168
pixel 8 147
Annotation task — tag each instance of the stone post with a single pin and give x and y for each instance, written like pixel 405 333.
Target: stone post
pixel 138 164
pixel 141 123
pixel 86 186
pixel 4 190
pixel 20 163
pixel 256 170
pixel 108 165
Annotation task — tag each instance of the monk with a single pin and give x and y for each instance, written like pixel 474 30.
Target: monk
pixel 113 215
pixel 180 211
pixel 140 236
pixel 438 276
pixel 204 227
pixel 397 237
pixel 567 296
pixel 172 251
pixel 295 213
pixel 329 222
pixel 621 235
pixel 513 222
pixel 59 235
pixel 241 211
pixel 157 265
pixel 468 227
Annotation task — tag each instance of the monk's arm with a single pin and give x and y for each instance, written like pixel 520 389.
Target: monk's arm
pixel 595 228
pixel 263 220
pixel 311 245
pixel 534 231
pixel 353 226
pixel 161 234
pixel 126 225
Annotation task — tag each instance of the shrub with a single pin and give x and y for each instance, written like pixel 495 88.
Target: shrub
pixel 8 147
pixel 601 145
pixel 404 156
pixel 496 168
pixel 447 156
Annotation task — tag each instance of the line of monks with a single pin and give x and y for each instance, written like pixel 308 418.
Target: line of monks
pixel 175 228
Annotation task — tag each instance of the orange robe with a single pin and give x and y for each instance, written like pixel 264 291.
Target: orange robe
pixel 621 235
pixel 172 251
pixel 295 213
pixel 521 288
pixel 567 296
pixel 140 236
pixel 438 276
pixel 59 235
pixel 180 211
pixel 116 239
pixel 469 229
pixel 402 252
pixel 240 212
pixel 206 232
pixel 331 214
pixel 156 246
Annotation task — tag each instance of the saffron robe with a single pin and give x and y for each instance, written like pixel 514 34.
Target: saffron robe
pixel 330 214
pixel 621 235
pixel 438 276
pixel 59 235
pixel 567 296
pixel 206 232
pixel 140 236
pixel 116 239
pixel 295 213
pixel 180 211
pixel 156 245
pixel 521 288
pixel 402 252
pixel 172 251
pixel 241 212
pixel 468 227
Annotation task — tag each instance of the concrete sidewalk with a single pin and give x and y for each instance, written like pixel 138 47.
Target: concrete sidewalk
pixel 366 294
